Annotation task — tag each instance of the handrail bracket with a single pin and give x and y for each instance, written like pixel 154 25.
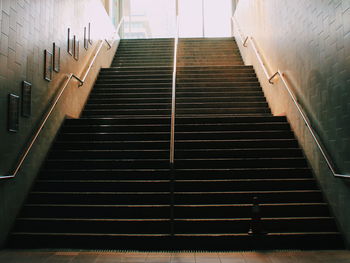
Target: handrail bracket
pixel 332 167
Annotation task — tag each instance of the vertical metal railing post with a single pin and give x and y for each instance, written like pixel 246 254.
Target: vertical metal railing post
pixel 172 130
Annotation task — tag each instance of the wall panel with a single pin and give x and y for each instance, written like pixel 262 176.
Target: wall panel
pixel 310 42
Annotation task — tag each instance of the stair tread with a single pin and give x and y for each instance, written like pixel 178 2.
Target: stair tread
pixel 167 220
pixel 177 181
pixel 176 192
pixel 177 205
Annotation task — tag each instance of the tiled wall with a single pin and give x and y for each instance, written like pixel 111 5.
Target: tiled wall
pixel 310 42
pixel 28 28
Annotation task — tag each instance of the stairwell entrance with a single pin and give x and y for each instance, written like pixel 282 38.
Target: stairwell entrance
pixel 204 18
pixel 157 18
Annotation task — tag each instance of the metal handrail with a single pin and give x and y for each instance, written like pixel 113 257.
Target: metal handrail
pixel 173 97
pixel 33 139
pixel 172 133
pixel 308 124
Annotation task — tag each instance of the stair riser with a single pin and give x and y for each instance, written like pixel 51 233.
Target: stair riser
pixel 151 186
pixel 157 53
pixel 180 164
pixel 232 94
pixel 164 212
pixel 143 62
pixel 96 211
pixel 250 99
pixel 212 185
pixel 239 153
pixel 153 112
pixel 209 56
pixel 219 60
pixel 120 128
pixel 180 199
pixel 179 128
pixel 163 227
pixel 100 199
pixel 122 76
pixel 242 226
pixel 136 70
pixel 203 174
pixel 142 243
pixel 178 105
pixel 127 112
pixel 179 136
pixel 179 154
pixel 242 163
pixel 208 63
pixel 209 49
pixel 117 121
pixel 107 154
pixel 224 120
pixel 130 81
pixel 128 227
pixel 154 60
pixel 152 49
pixel 186 80
pixel 155 186
pixel 219 84
pixel 136 144
pixel 100 164
pixel 245 211
pixel 235 135
pixel 161 87
pixel 114 137
pixel 104 174
pixel 246 198
pixel 111 107
pixel 144 96
pixel 209 111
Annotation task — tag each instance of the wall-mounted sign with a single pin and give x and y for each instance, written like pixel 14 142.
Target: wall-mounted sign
pixel 13 113
pixel 86 42
pixel 70 43
pixel 47 65
pixel 56 57
pixel 26 99
pixel 89 34
pixel 76 47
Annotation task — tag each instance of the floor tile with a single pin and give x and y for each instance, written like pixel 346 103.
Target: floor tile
pixel 16 256
pixel 256 257
pixel 183 258
pixel 231 257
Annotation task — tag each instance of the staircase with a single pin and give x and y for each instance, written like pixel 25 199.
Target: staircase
pixel 106 183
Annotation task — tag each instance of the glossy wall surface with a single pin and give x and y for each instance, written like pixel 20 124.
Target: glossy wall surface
pixel 27 29
pixel 310 42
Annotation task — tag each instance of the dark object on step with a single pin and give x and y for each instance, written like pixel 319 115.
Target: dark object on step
pixel 256 225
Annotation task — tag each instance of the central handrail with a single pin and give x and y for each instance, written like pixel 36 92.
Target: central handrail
pixel 172 133
pixel 173 97
pixel 302 113
pixel 71 76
